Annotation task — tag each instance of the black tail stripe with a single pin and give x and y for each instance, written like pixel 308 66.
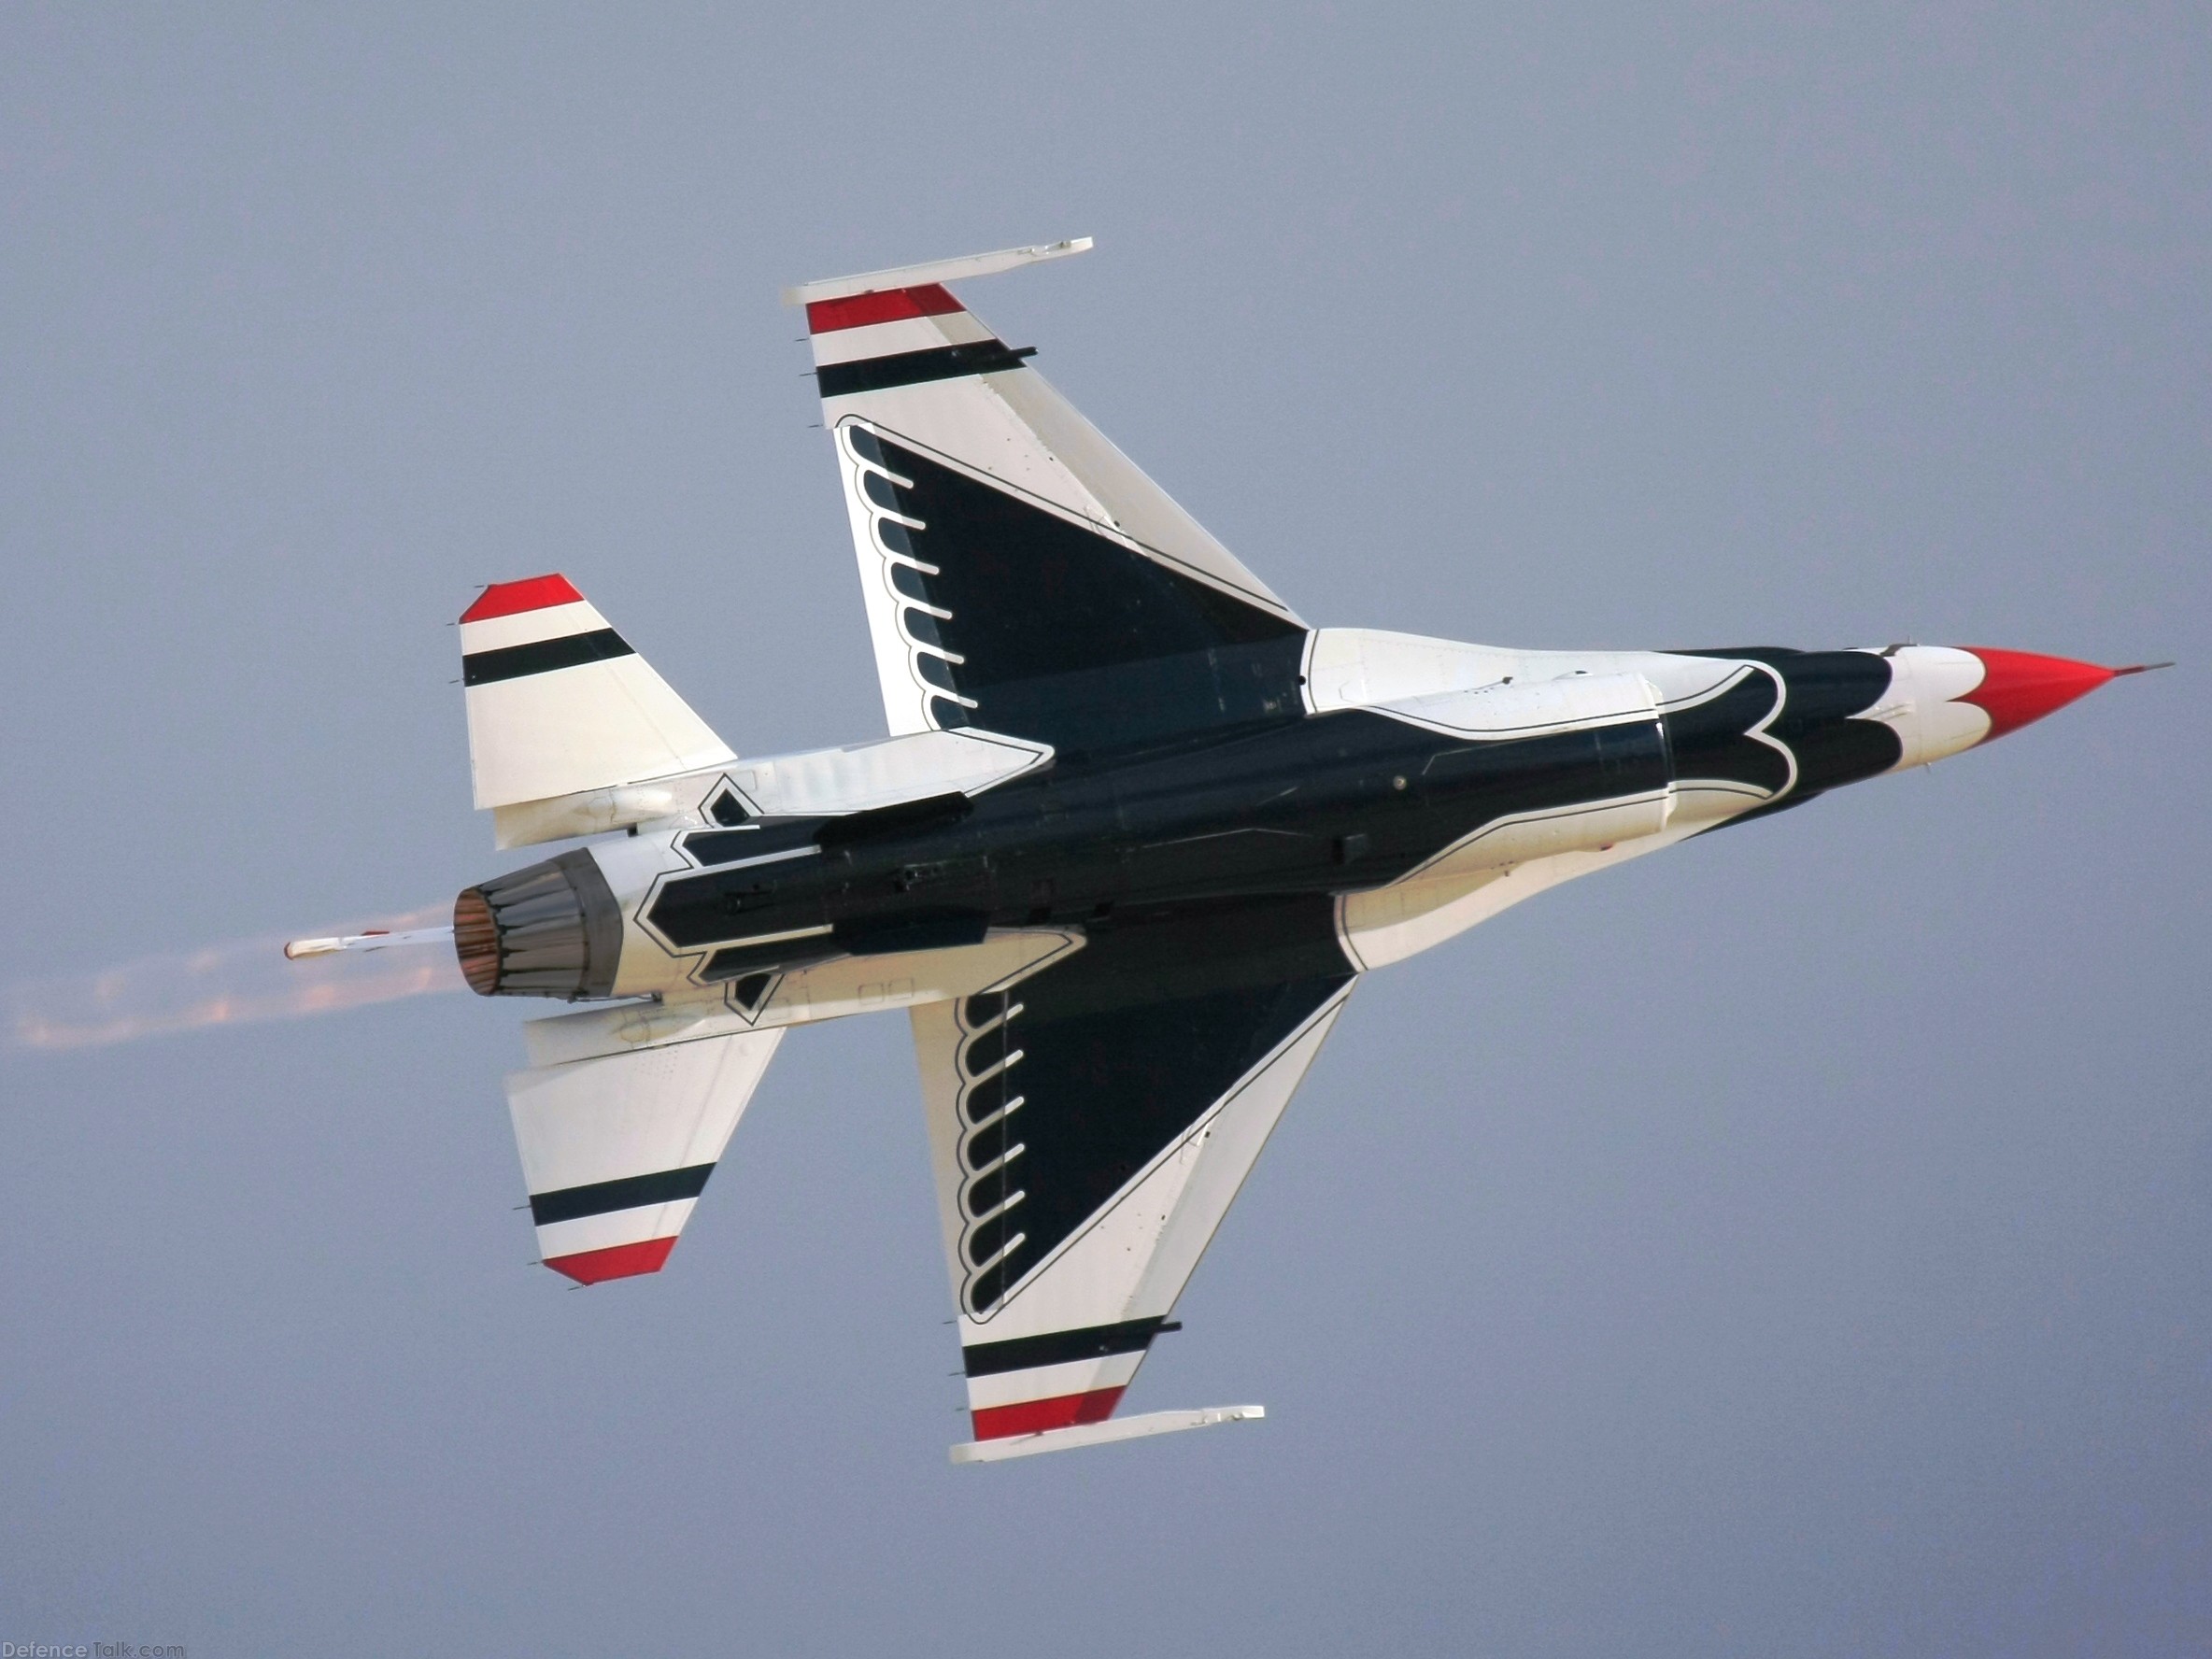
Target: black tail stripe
pixel 910 368
pixel 1096 1341
pixel 633 1192
pixel 510 662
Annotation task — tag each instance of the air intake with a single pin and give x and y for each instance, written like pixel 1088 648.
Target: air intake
pixel 552 930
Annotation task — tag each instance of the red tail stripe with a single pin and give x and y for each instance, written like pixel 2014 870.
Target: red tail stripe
pixel 889 304
pixel 533 594
pixel 995 1422
pixel 617 1261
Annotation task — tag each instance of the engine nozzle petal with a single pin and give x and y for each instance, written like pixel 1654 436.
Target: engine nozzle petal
pixel 549 929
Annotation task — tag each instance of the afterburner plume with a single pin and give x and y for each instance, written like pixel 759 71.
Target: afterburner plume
pixel 226 985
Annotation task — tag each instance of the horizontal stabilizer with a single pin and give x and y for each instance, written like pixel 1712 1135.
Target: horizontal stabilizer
pixel 1098 1433
pixel 617 1150
pixel 558 703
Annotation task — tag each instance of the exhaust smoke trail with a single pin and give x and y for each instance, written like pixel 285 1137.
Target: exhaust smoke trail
pixel 227 985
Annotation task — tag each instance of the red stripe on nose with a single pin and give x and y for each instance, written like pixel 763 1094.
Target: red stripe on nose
pixel 2018 687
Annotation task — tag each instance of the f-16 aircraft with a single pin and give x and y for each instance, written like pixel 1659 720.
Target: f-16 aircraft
pixel 1136 833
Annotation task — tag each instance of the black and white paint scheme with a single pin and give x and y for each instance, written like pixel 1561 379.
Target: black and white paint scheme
pixel 1136 833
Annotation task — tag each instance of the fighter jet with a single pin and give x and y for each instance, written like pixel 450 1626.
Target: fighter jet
pixel 1136 833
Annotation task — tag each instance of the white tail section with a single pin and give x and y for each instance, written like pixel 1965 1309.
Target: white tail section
pixel 617 1149
pixel 560 704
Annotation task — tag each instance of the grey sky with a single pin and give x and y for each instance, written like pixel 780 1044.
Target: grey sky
pixel 1795 1242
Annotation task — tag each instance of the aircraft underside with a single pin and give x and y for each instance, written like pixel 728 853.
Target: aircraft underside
pixel 1136 833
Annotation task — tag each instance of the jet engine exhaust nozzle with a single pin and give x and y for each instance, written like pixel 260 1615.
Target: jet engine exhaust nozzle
pixel 551 929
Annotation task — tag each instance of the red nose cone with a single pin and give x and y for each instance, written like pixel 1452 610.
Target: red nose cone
pixel 2017 687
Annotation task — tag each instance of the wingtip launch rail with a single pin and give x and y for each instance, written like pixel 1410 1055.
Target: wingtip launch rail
pixel 934 271
pixel 1100 1433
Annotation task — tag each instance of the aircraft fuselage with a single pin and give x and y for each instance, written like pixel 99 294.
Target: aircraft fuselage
pixel 1335 801
pixel 1299 812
